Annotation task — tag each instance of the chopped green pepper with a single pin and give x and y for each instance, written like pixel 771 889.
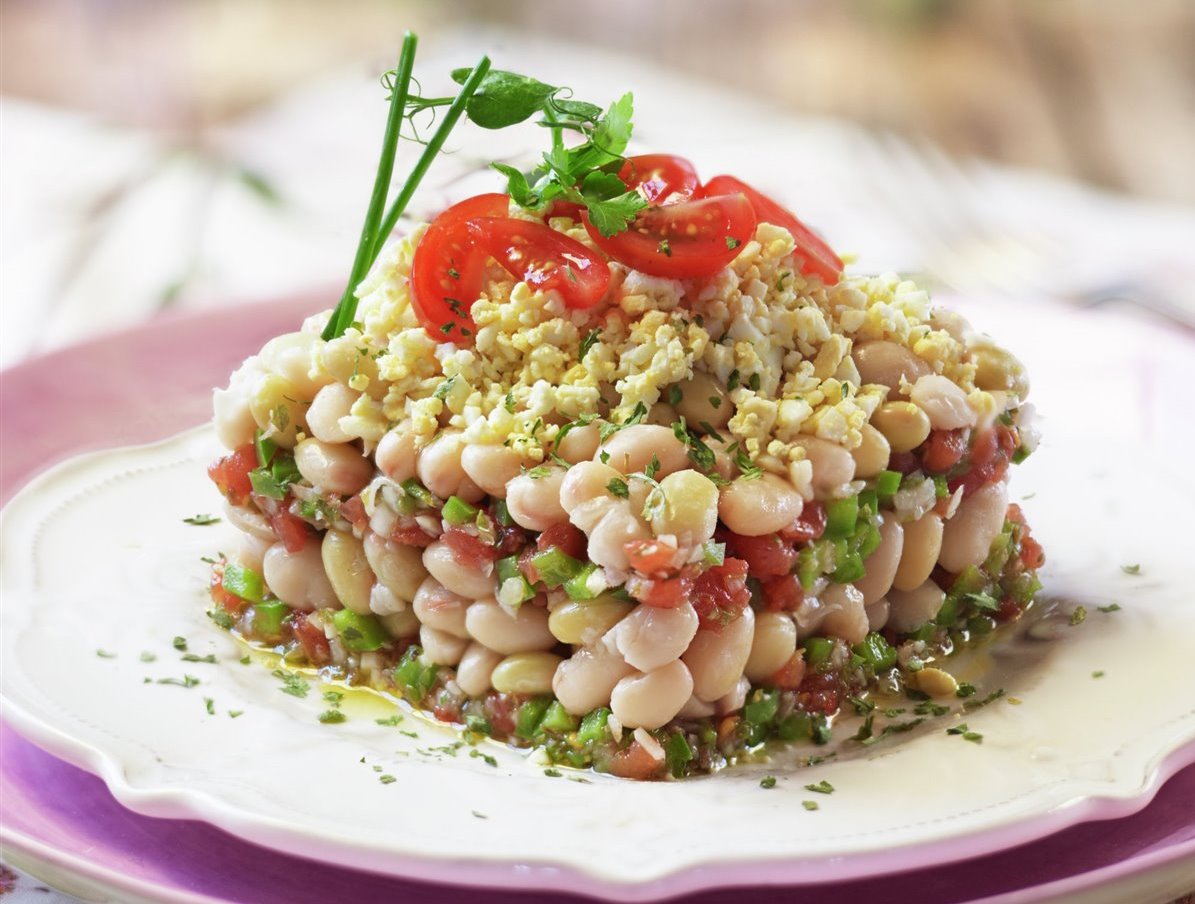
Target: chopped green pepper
pixel 268 615
pixel 841 515
pixel 593 726
pixel 876 652
pixel 243 582
pixel 530 715
pixel 457 511
pixel 555 566
pixel 578 587
pixel 359 633
pixel 677 753
pixel 817 652
pixel 887 483
pixel 558 719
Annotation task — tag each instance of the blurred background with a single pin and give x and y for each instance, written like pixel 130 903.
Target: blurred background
pixel 167 152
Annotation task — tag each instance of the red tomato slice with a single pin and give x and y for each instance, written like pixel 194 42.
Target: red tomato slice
pixel 650 556
pixel 660 178
pixel 818 258
pixel 446 274
pixel 543 258
pixel 686 240
pixel 292 530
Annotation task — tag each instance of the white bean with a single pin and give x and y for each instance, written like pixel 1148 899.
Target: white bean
pixel 250 521
pixel 944 402
pixel 330 404
pixel 967 537
pixel 534 502
pixel 523 632
pixel 690 510
pixel 872 454
pixel 438 467
pixel 441 648
pixel 884 362
pixel 289 355
pixel 475 668
pixel 773 645
pixel 608 538
pixel 704 399
pixel 396 454
pixel 403 623
pixel 335 467
pixel 881 565
pixel 579 444
pixel 584 482
pixel 586 679
pixel 845 615
pixel 650 636
pixel 463 580
pixel 877 615
pixel 717 656
pixel 584 621
pixel 348 570
pixel 910 609
pixel 923 543
pixel 760 506
pixel 277 408
pixel 735 700
pixel 399 568
pixel 232 415
pixel 382 600
pixel 525 673
pixel 491 467
pixel 631 449
pixel 696 708
pixel 440 608
pixel 832 464
pixel 298 578
pixel 251 551
pixel 652 699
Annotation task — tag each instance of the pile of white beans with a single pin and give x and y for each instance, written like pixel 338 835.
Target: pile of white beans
pixel 649 665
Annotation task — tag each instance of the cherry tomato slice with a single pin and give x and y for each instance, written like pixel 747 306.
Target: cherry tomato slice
pixel 543 258
pixel 686 240
pixel 818 258
pixel 660 178
pixel 446 274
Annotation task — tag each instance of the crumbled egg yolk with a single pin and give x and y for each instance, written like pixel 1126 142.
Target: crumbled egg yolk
pixel 783 341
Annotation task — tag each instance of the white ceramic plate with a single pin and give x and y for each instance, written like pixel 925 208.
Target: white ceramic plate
pixel 96 556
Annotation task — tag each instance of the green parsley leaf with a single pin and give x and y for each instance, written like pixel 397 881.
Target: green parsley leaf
pixel 1111 607
pixel 105 654
pixel 292 683
pixel 201 520
pixel 331 716
pixel 619 487
pixel 809 804
pixel 1079 615
pixel 822 787
pixel 1131 569
pixel 586 344
pixel 504 98
pixel 179 643
pixel 768 781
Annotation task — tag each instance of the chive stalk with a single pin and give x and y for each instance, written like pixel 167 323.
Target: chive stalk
pixel 455 110
pixel 346 310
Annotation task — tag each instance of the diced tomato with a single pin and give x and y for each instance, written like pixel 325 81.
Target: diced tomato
pixel 818 692
pixel 229 602
pixel 720 594
pixel 652 557
pixel 690 239
pixel 904 462
pixel 310 635
pixel 790 675
pixel 809 527
pixel 447 709
pixel 565 537
pixel 543 258
pixel 767 556
pixel 943 450
pixel 661 593
pixel 783 594
pixel 500 711
pixel 410 534
pixel 1032 554
pixel 353 511
pixel 991 452
pixel 231 474
pixel 1009 610
pixel 660 178
pixel 468 550
pixel 510 538
pixel 527 566
pixel 634 761
pixel 816 256
pixel 292 530
pixel 447 273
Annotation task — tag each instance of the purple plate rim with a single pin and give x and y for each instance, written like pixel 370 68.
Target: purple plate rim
pixel 545 876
